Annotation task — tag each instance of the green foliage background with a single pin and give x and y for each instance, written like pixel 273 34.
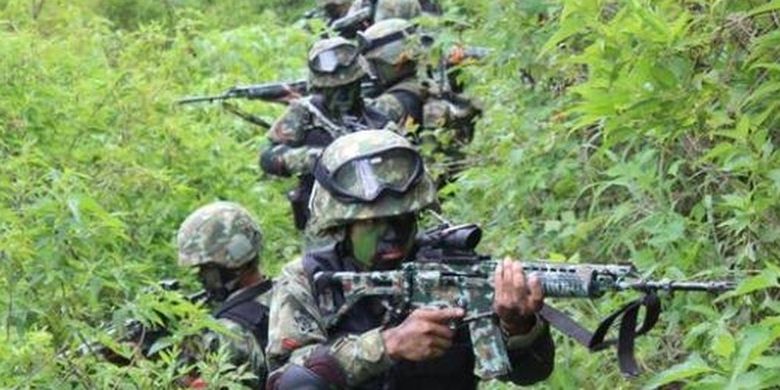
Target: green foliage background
pixel 613 130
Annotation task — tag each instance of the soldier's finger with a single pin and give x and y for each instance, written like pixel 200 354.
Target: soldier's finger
pixel 519 283
pixel 536 296
pixel 441 344
pixel 440 316
pixel 508 294
pixel 498 285
pixel 439 331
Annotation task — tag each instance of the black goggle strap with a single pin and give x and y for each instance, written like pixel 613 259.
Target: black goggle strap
pixel 365 44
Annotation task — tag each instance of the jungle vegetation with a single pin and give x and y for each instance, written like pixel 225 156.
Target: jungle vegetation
pixel 613 130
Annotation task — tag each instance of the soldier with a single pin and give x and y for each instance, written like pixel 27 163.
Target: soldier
pixel 370 188
pixel 392 9
pixel 333 109
pixel 394 52
pixel 333 9
pixel 224 242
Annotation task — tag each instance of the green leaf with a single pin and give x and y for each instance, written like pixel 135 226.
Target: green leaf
pixel 692 367
pixel 768 278
pixel 723 343
pixel 753 342
pixel 772 6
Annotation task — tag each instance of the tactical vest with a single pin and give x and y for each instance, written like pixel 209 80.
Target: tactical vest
pixel 452 371
pixel 244 310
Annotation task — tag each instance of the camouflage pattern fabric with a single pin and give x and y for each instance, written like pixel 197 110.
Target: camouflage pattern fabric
pixel 389 103
pixel 401 9
pixel 396 52
pixel 342 76
pixel 390 9
pixel 240 343
pixel 289 135
pixel 438 285
pixel 328 213
pixel 297 329
pixel 222 233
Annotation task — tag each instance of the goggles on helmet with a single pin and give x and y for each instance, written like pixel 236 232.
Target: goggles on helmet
pixel 366 44
pixel 366 178
pixel 330 60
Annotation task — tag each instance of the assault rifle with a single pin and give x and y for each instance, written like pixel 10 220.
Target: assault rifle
pixel 270 92
pixel 448 273
pixel 350 23
pixel 135 332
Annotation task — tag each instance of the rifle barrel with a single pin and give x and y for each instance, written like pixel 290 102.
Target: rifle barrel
pixel 200 99
pixel 714 286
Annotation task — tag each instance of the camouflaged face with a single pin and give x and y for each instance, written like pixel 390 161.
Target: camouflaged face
pixel 222 233
pixel 395 52
pixel 342 76
pixel 401 9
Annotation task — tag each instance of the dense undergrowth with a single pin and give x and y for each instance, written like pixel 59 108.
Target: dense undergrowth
pixel 613 130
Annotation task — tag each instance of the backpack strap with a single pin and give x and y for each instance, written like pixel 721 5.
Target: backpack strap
pixel 247 312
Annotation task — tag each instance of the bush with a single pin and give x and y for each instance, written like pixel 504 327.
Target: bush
pixel 613 130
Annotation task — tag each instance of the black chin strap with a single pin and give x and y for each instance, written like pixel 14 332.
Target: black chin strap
pixel 628 329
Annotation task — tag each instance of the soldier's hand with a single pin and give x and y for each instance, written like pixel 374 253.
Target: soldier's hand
pixel 424 335
pixel 517 298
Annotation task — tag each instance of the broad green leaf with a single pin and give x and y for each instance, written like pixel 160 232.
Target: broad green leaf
pixel 774 5
pixel 768 278
pixel 753 342
pixel 723 343
pixel 692 367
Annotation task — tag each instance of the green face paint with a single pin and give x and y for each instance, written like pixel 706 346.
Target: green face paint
pixel 382 243
pixel 365 237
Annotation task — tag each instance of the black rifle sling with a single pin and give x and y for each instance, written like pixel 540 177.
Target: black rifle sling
pixel 247 312
pixel 627 333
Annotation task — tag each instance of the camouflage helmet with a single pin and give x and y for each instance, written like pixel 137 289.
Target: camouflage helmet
pixel 329 211
pixel 334 62
pixel 222 233
pixel 400 9
pixel 391 42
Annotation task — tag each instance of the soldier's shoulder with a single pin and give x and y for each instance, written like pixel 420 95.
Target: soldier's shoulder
pixel 292 280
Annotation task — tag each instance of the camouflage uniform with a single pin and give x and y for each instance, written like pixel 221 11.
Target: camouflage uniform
pixel 333 9
pixel 442 120
pixel 402 9
pixel 224 235
pixel 299 135
pixel 298 332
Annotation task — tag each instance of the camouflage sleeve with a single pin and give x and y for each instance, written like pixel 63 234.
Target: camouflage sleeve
pixel 241 346
pixel 532 355
pixel 287 155
pixel 389 105
pixel 296 330
pixel 290 127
